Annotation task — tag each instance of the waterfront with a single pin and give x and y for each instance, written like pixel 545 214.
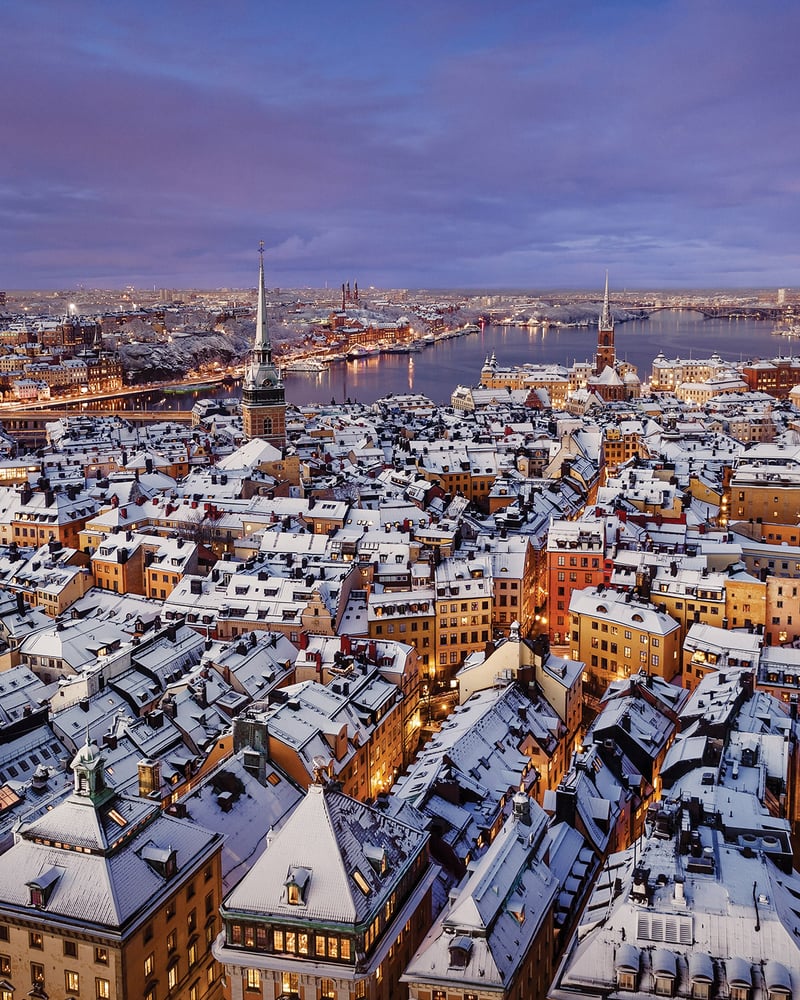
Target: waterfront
pixel 439 367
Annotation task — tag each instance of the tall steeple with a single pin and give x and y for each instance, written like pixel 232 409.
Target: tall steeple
pixel 262 345
pixel 606 356
pixel 605 321
pixel 263 398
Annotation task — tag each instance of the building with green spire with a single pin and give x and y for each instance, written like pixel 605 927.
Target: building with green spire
pixel 263 397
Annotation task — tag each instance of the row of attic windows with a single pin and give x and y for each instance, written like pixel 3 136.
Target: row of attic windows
pixel 666 971
pixel 291 941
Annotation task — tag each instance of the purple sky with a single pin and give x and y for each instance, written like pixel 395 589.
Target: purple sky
pixel 430 143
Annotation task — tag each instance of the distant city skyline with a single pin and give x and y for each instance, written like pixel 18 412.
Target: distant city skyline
pixel 405 146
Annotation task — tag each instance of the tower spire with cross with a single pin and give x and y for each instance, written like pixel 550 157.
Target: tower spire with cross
pixel 263 397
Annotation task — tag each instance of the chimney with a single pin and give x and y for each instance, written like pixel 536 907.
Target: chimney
pixel 201 695
pixel 521 808
pixel 149 777
pixel 155 719
pixel 566 805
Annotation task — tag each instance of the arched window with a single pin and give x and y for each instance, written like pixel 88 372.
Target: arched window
pixel 327 989
pixel 701 974
pixel 664 972
pixel 778 980
pixel 740 978
pixel 626 967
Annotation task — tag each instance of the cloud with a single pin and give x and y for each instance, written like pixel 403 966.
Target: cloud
pixel 424 145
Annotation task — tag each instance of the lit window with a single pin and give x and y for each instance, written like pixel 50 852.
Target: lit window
pixel 361 882
pixel 118 818
pixel 664 986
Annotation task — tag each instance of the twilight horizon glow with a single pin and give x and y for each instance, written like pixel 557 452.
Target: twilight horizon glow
pixel 400 145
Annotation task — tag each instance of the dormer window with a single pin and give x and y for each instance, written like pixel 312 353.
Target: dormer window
pixel 41 889
pixel 460 951
pixel 778 980
pixel 701 974
pixel 626 967
pixel 377 858
pixel 297 885
pixel 162 860
pixel 664 972
pixel 740 978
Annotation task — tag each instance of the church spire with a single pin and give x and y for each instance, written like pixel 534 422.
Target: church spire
pixel 606 355
pixel 262 342
pixel 261 371
pixel 606 322
pixel 263 398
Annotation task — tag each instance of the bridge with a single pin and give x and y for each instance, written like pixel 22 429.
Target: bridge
pixel 710 311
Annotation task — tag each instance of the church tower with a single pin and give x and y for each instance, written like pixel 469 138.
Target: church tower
pixel 263 397
pixel 606 356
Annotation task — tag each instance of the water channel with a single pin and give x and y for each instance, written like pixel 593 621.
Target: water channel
pixel 438 368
